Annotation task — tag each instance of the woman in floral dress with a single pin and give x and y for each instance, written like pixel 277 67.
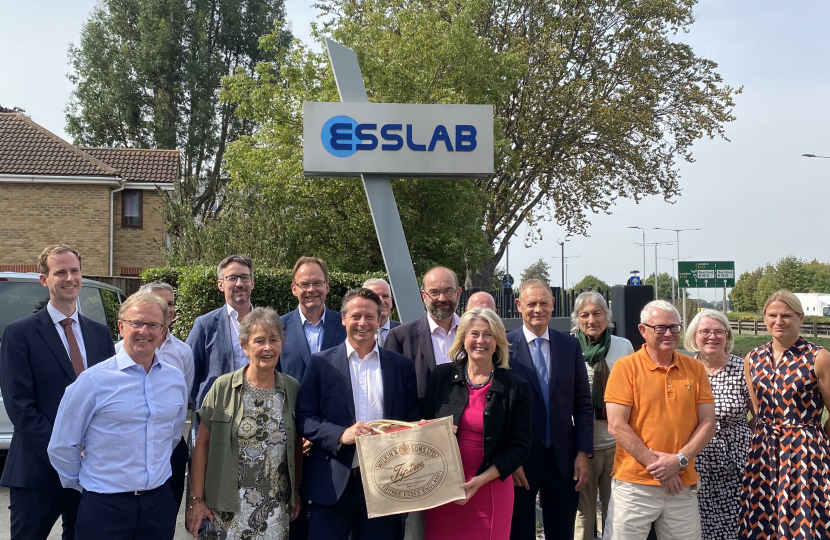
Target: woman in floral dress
pixel 786 494
pixel 247 455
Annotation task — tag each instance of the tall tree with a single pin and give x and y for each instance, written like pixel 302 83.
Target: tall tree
pixel 538 270
pixel 664 285
pixel 743 293
pixel 592 283
pixel 593 100
pixel 148 73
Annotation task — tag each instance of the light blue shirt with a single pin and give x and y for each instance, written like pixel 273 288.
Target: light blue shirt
pixel 313 332
pixel 531 345
pixel 125 420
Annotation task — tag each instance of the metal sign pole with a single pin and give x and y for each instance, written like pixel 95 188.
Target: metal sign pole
pixel 382 203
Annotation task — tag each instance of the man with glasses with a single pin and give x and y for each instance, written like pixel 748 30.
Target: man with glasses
pixel 115 431
pixel 661 412
pixel 214 338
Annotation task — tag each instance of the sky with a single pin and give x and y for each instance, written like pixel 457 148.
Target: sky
pixel 755 198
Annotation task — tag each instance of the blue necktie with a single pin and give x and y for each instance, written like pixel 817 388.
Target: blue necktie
pixel 542 372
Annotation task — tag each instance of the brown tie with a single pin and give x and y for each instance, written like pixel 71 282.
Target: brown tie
pixel 74 351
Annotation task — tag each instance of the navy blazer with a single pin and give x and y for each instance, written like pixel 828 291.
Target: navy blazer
pixel 571 414
pixel 325 409
pixel 34 372
pixel 414 341
pixel 295 354
pixel 213 354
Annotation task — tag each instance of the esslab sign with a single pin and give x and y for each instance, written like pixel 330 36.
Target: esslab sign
pixel 349 139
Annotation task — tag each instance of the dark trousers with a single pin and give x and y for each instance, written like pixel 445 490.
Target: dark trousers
pixel 347 518
pixel 125 516
pixel 33 512
pixel 298 529
pixel 558 499
pixel 178 465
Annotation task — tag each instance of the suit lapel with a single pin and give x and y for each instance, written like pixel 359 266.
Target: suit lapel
pixel 296 335
pixel 223 333
pixel 50 336
pixel 330 329
pixel 90 344
pixel 554 346
pixel 387 370
pixel 425 342
pixel 523 356
pixel 341 364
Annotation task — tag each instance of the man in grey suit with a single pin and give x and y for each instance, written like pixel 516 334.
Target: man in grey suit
pixel 381 288
pixel 214 338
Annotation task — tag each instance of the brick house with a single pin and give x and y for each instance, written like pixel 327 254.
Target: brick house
pixel 105 202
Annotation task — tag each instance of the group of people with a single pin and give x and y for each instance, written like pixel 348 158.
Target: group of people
pixel 705 446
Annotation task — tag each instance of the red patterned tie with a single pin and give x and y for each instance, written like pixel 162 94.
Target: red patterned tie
pixel 74 351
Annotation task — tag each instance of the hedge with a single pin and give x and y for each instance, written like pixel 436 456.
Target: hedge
pixel 197 293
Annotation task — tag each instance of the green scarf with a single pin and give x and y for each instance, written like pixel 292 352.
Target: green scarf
pixel 594 353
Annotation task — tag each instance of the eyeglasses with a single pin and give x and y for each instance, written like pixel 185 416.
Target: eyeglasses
pixel 313 285
pixel 139 325
pixel 435 294
pixel 716 333
pixel 660 329
pixel 244 278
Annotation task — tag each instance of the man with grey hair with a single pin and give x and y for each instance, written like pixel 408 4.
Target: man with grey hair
pixel 661 412
pixel 480 299
pixel 171 350
pixel 381 288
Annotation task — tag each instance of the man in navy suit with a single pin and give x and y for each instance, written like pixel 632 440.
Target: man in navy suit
pixel 343 389
pixel 563 425
pixel 381 288
pixel 40 355
pixel 214 338
pixel 312 327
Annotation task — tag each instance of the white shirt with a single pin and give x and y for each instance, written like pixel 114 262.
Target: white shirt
pixel 174 352
pixel 57 317
pixel 531 344
pixel 239 358
pixel 383 331
pixel 367 387
pixel 442 340
pixel 313 332
pixel 618 348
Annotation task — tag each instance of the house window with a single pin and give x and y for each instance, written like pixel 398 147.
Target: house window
pixel 131 208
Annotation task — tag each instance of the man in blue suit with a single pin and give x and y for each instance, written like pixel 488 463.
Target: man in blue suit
pixel 214 338
pixel 343 389
pixel 381 288
pixel 563 425
pixel 312 327
pixel 40 355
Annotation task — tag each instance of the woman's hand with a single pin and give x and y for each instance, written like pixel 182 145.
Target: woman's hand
pixel 295 510
pixel 471 487
pixel 194 516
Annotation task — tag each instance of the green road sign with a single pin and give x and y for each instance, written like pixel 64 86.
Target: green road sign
pixel 706 275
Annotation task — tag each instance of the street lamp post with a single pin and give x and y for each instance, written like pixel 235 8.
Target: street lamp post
pixel 655 244
pixel 674 276
pixel 644 249
pixel 677 232
pixel 562 291
pixel 565 281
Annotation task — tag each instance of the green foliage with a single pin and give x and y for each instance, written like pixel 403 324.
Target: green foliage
pixel 538 270
pixel 592 283
pixel 743 316
pixel 664 285
pixel 167 274
pixel 111 307
pixel 743 293
pixel 753 288
pixel 197 292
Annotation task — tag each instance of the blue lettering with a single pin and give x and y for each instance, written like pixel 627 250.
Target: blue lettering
pixel 440 134
pixel 410 143
pixel 465 138
pixel 384 132
pixel 372 140
pixel 341 132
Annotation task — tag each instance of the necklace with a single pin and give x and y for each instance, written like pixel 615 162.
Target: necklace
pixel 480 385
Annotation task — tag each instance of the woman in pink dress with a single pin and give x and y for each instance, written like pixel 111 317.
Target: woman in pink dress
pixel 490 408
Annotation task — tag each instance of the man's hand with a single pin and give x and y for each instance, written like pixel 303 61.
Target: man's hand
pixel 581 470
pixel 348 436
pixel 673 485
pixel 519 478
pixel 665 467
pixel 307 446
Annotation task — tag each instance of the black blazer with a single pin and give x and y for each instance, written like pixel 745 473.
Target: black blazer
pixel 413 340
pixel 507 422
pixel 34 372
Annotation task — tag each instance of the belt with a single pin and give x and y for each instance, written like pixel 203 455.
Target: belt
pixel 355 472
pixel 134 493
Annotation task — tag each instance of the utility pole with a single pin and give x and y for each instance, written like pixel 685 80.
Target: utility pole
pixel 677 232
pixel 655 244
pixel 562 291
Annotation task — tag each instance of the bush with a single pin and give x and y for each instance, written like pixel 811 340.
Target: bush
pixel 197 293
pixel 738 316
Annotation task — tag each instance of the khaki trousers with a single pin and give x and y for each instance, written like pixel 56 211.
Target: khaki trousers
pixel 634 507
pixel 599 479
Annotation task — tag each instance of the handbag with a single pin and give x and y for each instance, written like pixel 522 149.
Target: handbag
pixel 408 467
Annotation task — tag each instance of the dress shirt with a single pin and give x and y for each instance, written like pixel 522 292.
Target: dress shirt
pixel 531 344
pixel 441 340
pixel 382 332
pixel 367 386
pixel 57 317
pixel 239 358
pixel 313 332
pixel 125 420
pixel 175 352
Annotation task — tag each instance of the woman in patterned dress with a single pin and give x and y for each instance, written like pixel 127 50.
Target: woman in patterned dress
pixel 247 456
pixel 786 494
pixel 722 462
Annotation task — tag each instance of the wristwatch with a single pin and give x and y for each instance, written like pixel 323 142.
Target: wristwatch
pixel 683 460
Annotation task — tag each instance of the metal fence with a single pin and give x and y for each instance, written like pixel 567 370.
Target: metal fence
pixel 129 285
pixel 506 301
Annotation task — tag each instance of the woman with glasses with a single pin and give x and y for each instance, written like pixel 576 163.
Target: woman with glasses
pixel 786 493
pixel 722 462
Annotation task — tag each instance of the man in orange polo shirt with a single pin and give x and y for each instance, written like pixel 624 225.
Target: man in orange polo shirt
pixel 661 412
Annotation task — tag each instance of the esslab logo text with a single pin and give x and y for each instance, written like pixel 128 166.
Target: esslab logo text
pixel 342 137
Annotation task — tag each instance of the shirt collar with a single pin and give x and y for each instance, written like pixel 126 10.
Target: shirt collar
pixel 530 336
pixel 238 375
pixel 386 325
pixel 651 365
pixel 123 360
pixel 232 313
pixel 433 325
pixel 57 316
pixel 351 351
pixel 322 320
